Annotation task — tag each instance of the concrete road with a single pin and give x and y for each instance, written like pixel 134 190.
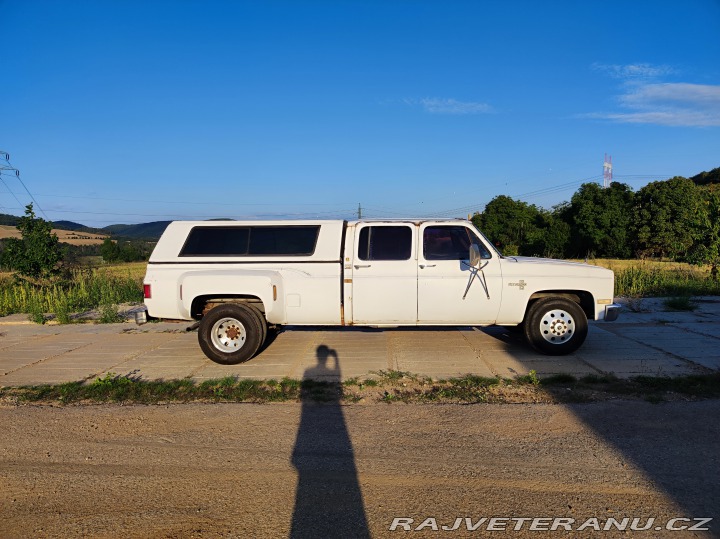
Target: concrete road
pixel 652 343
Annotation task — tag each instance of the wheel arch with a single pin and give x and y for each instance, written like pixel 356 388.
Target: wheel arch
pixel 582 297
pixel 201 304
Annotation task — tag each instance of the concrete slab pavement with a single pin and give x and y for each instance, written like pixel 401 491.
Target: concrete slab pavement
pixel 650 343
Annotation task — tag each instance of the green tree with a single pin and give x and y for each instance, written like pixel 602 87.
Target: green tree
pixel 38 254
pixel 513 226
pixel 554 233
pixel 110 251
pixel 600 220
pixel 707 250
pixel 669 218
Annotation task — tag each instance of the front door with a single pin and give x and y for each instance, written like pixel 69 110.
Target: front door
pixel 384 274
pixel 444 273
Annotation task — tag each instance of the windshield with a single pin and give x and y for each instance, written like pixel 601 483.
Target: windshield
pixel 487 241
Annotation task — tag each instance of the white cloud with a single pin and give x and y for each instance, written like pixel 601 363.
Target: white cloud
pixel 633 71
pixel 644 100
pixel 436 105
pixel 697 95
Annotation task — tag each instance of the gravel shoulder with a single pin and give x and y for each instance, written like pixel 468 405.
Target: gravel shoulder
pixel 309 470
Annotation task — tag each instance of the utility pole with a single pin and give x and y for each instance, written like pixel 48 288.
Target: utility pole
pixel 359 211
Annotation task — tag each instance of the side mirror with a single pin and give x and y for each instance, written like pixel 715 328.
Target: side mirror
pixel 475 255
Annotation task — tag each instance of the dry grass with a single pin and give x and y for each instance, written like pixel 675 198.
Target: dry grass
pixel 135 270
pixel 64 236
pixel 647 264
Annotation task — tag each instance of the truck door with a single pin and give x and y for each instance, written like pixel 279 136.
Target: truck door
pixel 444 273
pixel 384 274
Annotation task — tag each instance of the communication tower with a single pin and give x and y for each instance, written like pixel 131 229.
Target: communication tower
pixel 607 171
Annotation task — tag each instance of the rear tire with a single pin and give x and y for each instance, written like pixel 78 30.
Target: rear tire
pixel 555 326
pixel 230 334
pixel 261 322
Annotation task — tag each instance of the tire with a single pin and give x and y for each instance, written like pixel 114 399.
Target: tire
pixel 230 334
pixel 261 322
pixel 555 326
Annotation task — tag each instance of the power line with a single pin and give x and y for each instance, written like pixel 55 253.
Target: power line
pixel 6 157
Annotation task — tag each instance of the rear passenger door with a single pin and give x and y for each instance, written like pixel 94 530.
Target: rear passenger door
pixel 384 274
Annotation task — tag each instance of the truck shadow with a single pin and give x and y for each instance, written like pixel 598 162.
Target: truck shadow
pixel 328 499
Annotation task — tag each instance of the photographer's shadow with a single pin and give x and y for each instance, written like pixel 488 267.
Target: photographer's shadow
pixel 328 501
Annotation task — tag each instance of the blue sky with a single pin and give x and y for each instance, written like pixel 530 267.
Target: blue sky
pixel 136 111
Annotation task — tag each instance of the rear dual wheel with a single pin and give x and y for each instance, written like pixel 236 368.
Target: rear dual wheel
pixel 555 326
pixel 232 333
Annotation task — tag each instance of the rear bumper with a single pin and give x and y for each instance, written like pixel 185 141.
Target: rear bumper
pixel 611 312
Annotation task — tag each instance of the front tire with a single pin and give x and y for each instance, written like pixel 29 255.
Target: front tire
pixel 230 334
pixel 555 326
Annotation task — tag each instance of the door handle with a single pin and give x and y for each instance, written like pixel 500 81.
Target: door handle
pixel 358 266
pixel 423 266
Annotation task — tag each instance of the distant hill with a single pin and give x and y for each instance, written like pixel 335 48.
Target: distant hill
pixel 705 178
pixel 77 227
pixel 10 220
pixel 142 231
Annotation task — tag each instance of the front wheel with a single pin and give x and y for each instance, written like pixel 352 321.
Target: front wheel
pixel 230 334
pixel 555 326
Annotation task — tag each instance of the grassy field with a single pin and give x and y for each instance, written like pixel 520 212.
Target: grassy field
pixel 646 278
pixel 108 285
pixel 86 289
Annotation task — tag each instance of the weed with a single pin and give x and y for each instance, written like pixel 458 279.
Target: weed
pixel 83 290
pixel 635 304
pixel 62 312
pixel 469 389
pixel 394 376
pixel 639 281
pixel 680 303
pixel 558 379
pixel 109 314
pixel 36 313
pixel 472 380
pixel 530 378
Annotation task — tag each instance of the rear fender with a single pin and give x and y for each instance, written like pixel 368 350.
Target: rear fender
pixel 263 284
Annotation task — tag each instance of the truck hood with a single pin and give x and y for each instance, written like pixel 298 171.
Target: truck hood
pixel 568 266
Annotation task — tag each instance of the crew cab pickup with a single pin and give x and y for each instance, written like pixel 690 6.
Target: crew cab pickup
pixel 237 278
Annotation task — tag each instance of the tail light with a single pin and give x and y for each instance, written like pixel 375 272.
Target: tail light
pixel 147 292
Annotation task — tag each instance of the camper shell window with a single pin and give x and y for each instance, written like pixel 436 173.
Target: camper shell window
pixel 251 241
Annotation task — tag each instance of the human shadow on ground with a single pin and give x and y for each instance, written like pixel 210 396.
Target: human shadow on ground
pixel 328 500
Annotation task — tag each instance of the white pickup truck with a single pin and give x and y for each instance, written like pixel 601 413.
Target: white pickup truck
pixel 238 277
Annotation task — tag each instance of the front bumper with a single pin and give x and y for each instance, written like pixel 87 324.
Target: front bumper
pixel 611 312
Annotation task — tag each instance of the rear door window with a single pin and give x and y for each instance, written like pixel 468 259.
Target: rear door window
pixel 385 243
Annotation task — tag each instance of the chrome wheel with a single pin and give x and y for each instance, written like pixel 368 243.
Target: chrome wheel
pixel 228 335
pixel 557 326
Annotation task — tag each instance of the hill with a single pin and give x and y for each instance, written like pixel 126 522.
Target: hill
pixel 142 231
pixel 77 227
pixel 705 178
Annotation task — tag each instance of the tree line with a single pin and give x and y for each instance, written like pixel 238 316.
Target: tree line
pixel 674 219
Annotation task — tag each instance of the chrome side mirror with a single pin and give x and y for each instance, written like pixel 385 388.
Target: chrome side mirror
pixel 475 258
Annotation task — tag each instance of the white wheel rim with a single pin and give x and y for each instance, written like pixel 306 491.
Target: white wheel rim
pixel 228 335
pixel 557 326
